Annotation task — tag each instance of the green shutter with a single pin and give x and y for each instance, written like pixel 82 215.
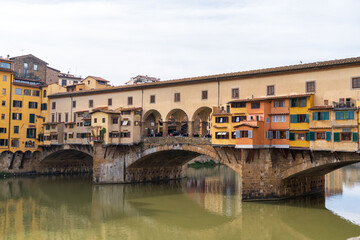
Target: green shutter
pixel 307 136
pixel 336 137
pixel 350 114
pixel 328 136
pixel 312 136
pixel 307 118
pixel 292 136
pixel 82 135
pixel 315 116
pixel 28 133
pixel 32 118
pixel 293 118
pixel 326 116
pixel 339 116
pixel 355 137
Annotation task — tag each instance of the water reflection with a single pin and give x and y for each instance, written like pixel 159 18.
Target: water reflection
pixel 206 205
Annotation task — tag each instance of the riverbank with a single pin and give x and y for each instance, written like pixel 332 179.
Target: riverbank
pixel 207 164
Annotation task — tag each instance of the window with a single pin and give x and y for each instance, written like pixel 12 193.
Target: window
pixel 44 94
pixel 26 68
pixel 238 118
pixel 115 120
pixel 18 91
pixel 74 104
pixel 346 136
pixel 3 103
pixel 66 117
pixel 59 117
pixel 103 120
pixel 126 122
pixel 238 104
pixel 4 77
pixel 2 130
pixel 35 67
pixel 44 106
pixel 52 117
pixel 2 116
pixel 270 90
pixel 279 118
pixel 4 91
pixel 36 93
pixel 344 115
pixel 16 129
pixel 279 103
pixel 235 93
pixel 318 116
pixel 91 103
pixel 255 105
pixel 243 134
pixel 5 65
pixel 53 105
pixel 355 82
pixel 3 142
pixel 302 102
pixel 222 135
pixel 32 118
pixel 125 134
pixel 63 82
pixel 279 134
pixel 152 98
pixel 177 97
pixel 33 105
pixel 17 116
pixel 222 119
pixel 299 118
pixel 204 95
pixel 27 92
pixel 310 86
pixel 17 103
pixel 31 133
pixel 130 101
pixel 95 120
pixel 320 136
pixel 109 101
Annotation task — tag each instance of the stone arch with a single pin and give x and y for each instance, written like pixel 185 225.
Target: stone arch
pixel 66 160
pixel 152 122
pixel 176 121
pixel 200 123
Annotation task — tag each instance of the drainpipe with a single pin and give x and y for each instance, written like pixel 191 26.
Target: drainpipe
pixel 141 114
pixel 10 117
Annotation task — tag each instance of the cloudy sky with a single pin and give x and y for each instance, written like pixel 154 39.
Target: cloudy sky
pixel 118 39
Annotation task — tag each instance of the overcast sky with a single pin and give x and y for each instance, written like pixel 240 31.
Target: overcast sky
pixel 119 39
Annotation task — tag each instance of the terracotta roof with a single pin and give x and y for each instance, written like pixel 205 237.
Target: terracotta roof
pixel 97 78
pixel 81 111
pixel 106 111
pixel 248 124
pixel 215 126
pixel 272 98
pixel 101 108
pixel 226 76
pixel 53 69
pixel 321 107
pixel 222 114
pixel 129 109
pixel 27 85
pixel 5 59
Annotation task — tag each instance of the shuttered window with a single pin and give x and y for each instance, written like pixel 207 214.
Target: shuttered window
pixel 32 118
pixel 355 136
pixel 328 136
pixel 292 136
pixel 337 137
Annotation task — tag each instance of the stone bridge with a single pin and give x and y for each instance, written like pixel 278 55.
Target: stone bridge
pixel 266 173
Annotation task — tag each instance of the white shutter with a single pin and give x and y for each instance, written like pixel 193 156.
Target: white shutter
pixel 250 133
pixel 287 134
pixel 271 135
pixel 237 134
pixel 277 134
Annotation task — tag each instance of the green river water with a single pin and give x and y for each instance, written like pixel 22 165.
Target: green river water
pixel 206 205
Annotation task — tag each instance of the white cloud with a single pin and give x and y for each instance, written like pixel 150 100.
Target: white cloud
pixel 174 39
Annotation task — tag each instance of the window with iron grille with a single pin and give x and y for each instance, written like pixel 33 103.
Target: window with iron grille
pixel 310 86
pixel 235 93
pixel 176 97
pixel 355 82
pixel 270 90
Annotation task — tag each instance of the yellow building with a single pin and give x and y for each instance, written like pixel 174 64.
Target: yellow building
pixel 299 121
pixel 26 115
pixel 92 82
pixel 6 76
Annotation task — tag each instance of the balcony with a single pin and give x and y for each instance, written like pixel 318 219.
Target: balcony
pixel 344 105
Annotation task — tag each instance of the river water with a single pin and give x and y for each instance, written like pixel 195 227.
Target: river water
pixel 206 205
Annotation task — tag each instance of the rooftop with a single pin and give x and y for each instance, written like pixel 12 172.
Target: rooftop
pixel 226 76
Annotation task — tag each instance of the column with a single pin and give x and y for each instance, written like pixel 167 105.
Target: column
pixel 165 129
pixel 203 128
pixel 191 128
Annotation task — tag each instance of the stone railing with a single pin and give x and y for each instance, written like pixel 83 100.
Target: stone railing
pixel 177 140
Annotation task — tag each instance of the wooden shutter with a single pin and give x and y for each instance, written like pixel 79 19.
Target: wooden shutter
pixel 328 136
